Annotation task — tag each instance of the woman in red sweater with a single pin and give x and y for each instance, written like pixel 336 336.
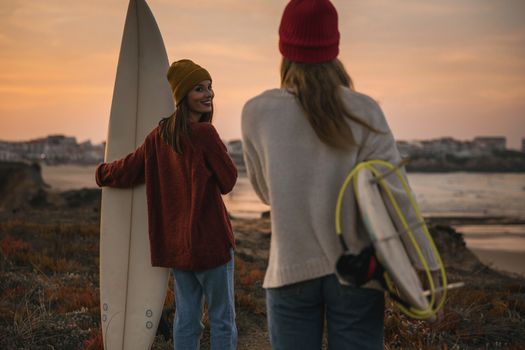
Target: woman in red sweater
pixel 186 168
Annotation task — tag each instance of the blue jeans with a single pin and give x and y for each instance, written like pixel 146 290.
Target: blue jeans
pixel 296 315
pixel 191 289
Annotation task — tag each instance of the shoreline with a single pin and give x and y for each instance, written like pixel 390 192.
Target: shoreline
pixel 501 260
pixel 481 245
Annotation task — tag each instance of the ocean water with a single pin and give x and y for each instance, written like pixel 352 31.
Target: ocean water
pixel 448 194
pixel 466 194
pixel 69 177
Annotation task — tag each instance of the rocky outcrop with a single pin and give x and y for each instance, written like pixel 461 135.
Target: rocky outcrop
pixel 85 197
pixel 498 161
pixel 21 186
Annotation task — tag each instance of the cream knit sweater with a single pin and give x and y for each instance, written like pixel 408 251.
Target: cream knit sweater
pixel 299 177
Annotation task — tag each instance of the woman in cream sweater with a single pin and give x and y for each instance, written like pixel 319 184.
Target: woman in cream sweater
pixel 300 142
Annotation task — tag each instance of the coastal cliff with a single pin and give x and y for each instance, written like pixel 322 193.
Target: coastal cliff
pixel 21 185
pixel 497 162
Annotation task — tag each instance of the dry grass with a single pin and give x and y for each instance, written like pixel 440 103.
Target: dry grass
pixel 473 318
pixel 49 296
pixel 49 291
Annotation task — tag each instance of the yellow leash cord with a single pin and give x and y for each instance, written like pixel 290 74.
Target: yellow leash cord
pixel 411 311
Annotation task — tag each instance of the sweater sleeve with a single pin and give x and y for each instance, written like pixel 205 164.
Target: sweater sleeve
pixel 123 173
pixel 254 171
pixel 254 167
pixel 218 161
pixel 382 146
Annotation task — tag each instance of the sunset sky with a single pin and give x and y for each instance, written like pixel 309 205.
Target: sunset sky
pixel 438 68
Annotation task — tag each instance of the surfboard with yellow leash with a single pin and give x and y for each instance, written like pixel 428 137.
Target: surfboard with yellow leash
pixel 387 260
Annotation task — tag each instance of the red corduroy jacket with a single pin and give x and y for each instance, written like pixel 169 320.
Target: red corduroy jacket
pixel 189 228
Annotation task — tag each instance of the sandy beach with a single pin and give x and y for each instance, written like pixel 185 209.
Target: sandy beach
pixel 503 260
pixel 498 243
pixel 69 177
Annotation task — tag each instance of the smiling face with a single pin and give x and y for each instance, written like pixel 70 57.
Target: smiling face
pixel 200 99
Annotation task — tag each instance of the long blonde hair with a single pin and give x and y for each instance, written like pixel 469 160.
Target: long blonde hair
pixel 317 88
pixel 173 128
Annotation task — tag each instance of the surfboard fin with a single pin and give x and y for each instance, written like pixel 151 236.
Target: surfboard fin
pixel 440 289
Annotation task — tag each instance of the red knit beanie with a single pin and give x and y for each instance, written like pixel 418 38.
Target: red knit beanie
pixel 308 32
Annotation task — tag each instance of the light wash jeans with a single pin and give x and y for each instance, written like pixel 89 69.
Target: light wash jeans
pixel 296 315
pixel 191 289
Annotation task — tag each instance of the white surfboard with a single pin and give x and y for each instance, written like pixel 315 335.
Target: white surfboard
pixel 132 292
pixel 387 242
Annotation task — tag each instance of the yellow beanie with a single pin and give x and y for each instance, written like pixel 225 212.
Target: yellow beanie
pixel 183 75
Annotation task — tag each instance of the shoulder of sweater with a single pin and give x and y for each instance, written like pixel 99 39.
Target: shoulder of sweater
pixel 151 137
pixel 152 134
pixel 364 106
pixel 265 102
pixel 205 133
pixel 268 96
pixel 359 100
pixel 204 128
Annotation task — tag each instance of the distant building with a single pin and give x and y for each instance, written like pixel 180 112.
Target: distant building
pixel 235 151
pixel 9 156
pixel 494 143
pixel 444 145
pixel 92 153
pixel 54 149
pixel 406 149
